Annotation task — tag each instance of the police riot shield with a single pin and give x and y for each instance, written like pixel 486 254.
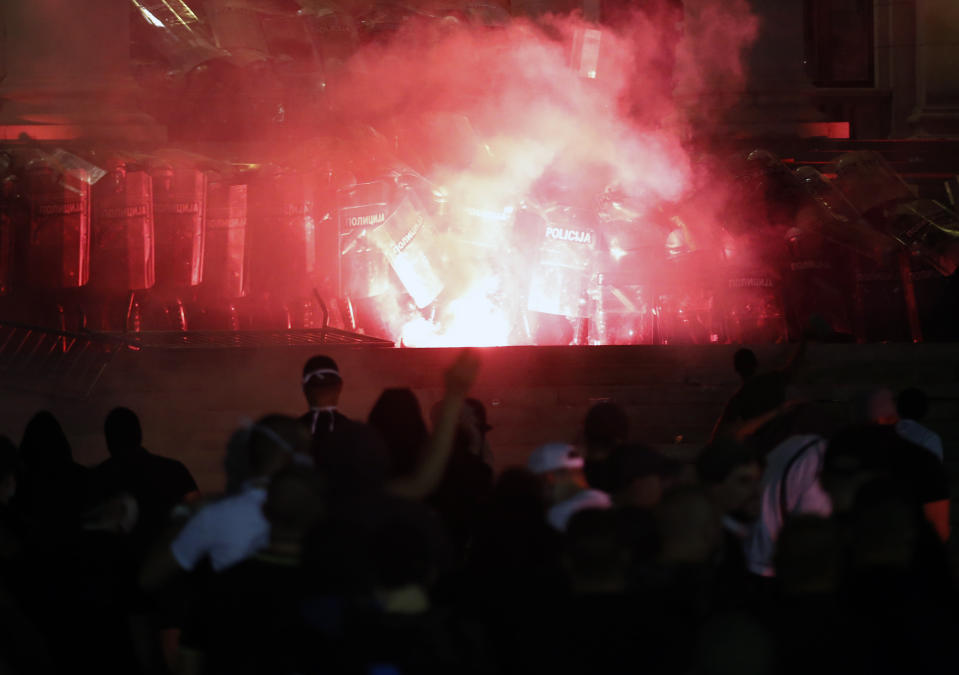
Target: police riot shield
pixel 623 313
pixel 818 282
pixel 869 182
pixel 123 231
pixel 926 228
pixel 484 231
pixel 764 192
pixel 284 233
pixel 179 207
pixel 405 239
pixel 831 215
pixel 480 247
pixel 364 269
pixel 11 212
pixel 929 230
pixel 58 237
pixel 7 259
pixel 631 280
pixel 226 251
pixel 564 267
pixel 686 305
pixel 752 293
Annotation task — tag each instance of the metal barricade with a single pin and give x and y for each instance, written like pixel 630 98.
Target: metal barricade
pixel 51 362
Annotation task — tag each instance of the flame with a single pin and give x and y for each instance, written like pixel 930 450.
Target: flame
pixel 474 319
pixel 616 251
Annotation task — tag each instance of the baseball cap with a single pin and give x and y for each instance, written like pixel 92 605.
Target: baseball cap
pixel 321 370
pixel 554 456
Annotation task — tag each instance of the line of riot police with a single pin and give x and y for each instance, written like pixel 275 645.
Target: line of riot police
pixel 167 242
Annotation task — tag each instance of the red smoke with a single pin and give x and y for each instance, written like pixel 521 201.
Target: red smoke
pixel 489 113
pixel 549 157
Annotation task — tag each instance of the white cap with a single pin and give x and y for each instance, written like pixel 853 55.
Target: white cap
pixel 554 456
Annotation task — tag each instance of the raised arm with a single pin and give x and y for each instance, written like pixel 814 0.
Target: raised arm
pixel 424 481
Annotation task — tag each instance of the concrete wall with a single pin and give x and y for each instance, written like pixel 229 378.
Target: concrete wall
pixel 896 58
pixel 190 400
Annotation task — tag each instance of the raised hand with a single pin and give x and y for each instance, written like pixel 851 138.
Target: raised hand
pixel 462 373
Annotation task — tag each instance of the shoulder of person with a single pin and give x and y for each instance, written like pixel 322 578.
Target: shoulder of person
pixel 792 446
pixel 170 466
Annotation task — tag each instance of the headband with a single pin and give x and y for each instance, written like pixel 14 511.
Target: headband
pixel 320 372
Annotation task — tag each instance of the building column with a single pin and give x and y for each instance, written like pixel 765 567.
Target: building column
pixel 895 62
pixel 937 81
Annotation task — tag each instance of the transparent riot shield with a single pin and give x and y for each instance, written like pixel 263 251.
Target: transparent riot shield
pixel 12 218
pixel 226 251
pixel 831 215
pixel 818 283
pixel 924 227
pixel 564 266
pixel 929 230
pixel 631 279
pixel 283 228
pixel 123 231
pixel 179 207
pixel 58 238
pixel 364 270
pixel 407 239
pixel 752 292
pixel 869 182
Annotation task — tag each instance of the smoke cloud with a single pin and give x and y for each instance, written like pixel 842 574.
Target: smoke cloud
pixel 535 160
pixel 559 110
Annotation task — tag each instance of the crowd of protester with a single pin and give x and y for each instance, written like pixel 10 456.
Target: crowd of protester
pixel 800 540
